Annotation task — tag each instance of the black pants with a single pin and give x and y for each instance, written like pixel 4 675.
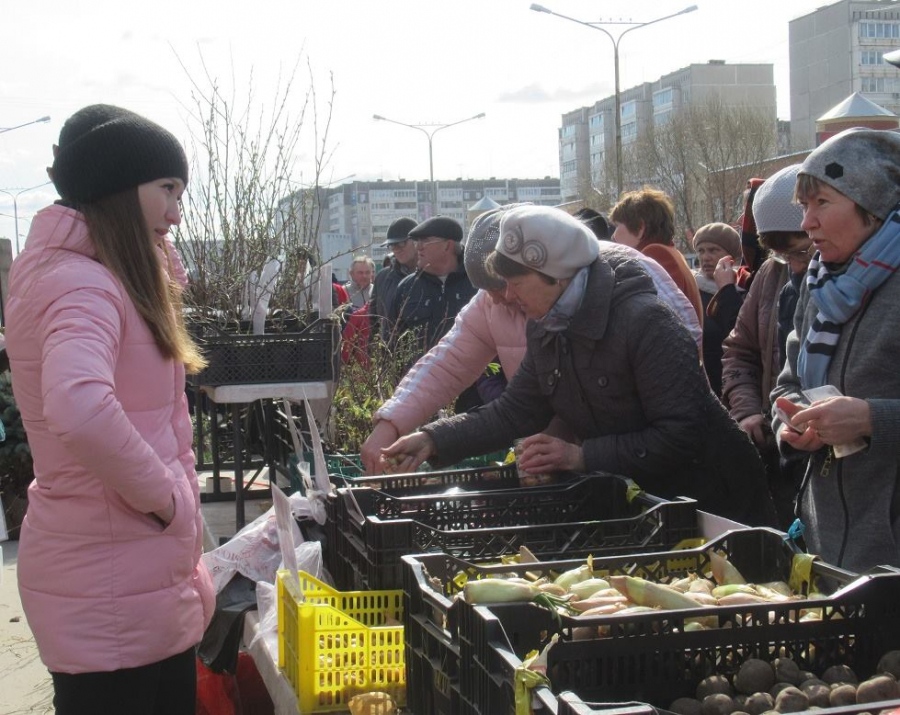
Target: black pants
pixel 168 687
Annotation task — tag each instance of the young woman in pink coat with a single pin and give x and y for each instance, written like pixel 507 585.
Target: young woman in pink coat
pixel 109 558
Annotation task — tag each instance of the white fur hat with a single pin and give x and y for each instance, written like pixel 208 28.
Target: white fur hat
pixel 547 240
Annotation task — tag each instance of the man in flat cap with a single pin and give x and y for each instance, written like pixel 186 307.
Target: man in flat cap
pixel 428 300
pixel 403 263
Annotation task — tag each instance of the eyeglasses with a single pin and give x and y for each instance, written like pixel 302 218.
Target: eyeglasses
pixel 800 254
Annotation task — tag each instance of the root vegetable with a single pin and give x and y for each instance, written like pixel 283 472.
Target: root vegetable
pixel 890 663
pixel 717 704
pixel 570 578
pixel 553 588
pixel 731 588
pixel 602 610
pixel 786 671
pixel 839 674
pixel 877 688
pixel 841 695
pixel 759 703
pixel 791 700
pixel 712 685
pixel 724 572
pixel 776 689
pixel 741 599
pixel 588 587
pixel 497 590
pixel 778 587
pixel 591 603
pixel 683 584
pixel 818 693
pixel 701 585
pixel 702 599
pixel 647 593
pixel 754 676
pixel 583 633
pixel 807 675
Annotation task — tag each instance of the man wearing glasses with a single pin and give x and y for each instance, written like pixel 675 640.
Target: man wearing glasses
pixel 403 262
pixel 428 300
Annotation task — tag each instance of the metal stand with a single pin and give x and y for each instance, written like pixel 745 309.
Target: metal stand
pixel 237 395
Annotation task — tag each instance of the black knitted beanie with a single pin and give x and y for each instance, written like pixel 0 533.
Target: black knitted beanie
pixel 105 149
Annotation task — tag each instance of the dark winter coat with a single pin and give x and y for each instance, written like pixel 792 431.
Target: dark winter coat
pixel 427 305
pixel 384 289
pixel 625 376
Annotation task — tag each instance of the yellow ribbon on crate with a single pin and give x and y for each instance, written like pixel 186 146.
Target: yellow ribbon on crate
pixel 525 681
pixel 801 573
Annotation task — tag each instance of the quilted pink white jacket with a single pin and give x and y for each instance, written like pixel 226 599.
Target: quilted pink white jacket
pixel 104 585
pixel 482 330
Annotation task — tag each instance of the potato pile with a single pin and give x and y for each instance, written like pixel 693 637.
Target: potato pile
pixel 763 688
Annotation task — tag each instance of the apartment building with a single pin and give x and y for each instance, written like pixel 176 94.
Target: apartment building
pixel 835 51
pixel 587 137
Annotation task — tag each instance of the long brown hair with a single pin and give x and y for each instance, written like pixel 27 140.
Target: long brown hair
pixel 124 246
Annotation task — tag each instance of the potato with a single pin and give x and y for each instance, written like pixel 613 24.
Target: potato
pixel 786 671
pixel 778 687
pixel 754 676
pixel 879 687
pixel 759 703
pixel 890 663
pixel 791 700
pixel 839 674
pixel 807 675
pixel 714 684
pixel 842 694
pixel 818 693
pixel 717 704
pixel 685 706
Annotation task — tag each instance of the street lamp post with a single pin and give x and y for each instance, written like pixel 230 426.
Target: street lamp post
pixel 615 41
pixel 15 199
pixel 423 128
pixel 3 130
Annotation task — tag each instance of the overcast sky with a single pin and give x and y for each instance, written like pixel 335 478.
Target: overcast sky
pixel 414 61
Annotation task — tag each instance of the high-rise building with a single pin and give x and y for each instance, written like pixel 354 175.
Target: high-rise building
pixel 587 138
pixel 355 216
pixel 837 50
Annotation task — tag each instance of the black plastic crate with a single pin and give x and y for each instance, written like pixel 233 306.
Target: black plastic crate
pixel 432 680
pixel 243 359
pixel 648 656
pixel 571 704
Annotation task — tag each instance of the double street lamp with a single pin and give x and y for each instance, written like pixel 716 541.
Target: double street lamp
pixel 615 41
pixel 424 128
pixel 3 130
pixel 15 199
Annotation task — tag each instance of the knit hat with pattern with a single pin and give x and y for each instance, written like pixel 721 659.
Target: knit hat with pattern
pixel 105 149
pixel 480 244
pixel 863 164
pixel 774 208
pixel 547 240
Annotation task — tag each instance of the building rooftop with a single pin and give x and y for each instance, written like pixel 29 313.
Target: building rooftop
pixel 855 107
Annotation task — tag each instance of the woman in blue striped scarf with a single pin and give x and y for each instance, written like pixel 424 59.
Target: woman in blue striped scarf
pixel 847 335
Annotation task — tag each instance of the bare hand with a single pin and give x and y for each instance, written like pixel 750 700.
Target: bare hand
pixel 754 425
pixel 384 435
pixel 407 453
pixel 806 439
pixel 838 420
pixel 725 273
pixel 167 514
pixel 543 453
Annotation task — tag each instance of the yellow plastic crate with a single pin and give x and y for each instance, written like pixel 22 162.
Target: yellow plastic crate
pixel 333 645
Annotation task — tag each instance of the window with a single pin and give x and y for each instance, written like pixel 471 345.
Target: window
pixel 549 192
pixel 629 132
pixel 628 109
pixel 873 84
pixel 872 57
pixel 879 30
pixel 662 98
pixel 596 123
pixel 596 140
pixel 569 130
pixel 404 194
pixel 662 118
pixel 567 167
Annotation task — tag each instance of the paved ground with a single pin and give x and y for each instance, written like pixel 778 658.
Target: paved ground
pixel 25 687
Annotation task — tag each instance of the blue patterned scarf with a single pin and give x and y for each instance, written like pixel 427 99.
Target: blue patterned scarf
pixel 560 315
pixel 838 295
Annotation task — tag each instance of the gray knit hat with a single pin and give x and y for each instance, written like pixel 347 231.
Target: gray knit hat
pixel 774 208
pixel 547 240
pixel 863 164
pixel 480 244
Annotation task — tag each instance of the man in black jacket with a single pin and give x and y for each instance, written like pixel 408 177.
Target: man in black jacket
pixel 402 264
pixel 428 300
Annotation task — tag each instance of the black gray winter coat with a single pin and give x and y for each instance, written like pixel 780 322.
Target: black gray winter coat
pixel 625 376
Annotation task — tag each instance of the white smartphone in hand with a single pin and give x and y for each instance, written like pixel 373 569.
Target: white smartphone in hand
pixel 785 419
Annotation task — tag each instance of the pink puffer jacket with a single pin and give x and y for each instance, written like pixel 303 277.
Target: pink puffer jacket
pixel 103 584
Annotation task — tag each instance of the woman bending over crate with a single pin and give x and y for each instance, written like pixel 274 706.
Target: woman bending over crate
pixel 109 559
pixel 615 364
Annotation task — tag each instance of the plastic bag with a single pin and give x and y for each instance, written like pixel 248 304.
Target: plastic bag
pixel 254 550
